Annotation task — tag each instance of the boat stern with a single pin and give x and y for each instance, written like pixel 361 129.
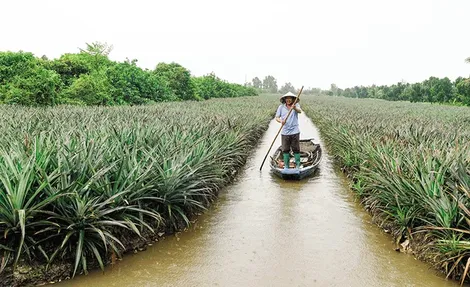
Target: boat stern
pixel 288 173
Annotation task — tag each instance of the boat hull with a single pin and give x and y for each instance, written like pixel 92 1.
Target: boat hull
pixel 311 155
pixel 294 173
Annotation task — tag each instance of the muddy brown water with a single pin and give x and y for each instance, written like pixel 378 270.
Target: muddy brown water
pixel 267 232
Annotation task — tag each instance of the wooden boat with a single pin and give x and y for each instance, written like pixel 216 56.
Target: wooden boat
pixel 310 157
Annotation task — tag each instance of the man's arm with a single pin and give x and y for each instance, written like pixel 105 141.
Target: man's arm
pixel 297 108
pixel 278 115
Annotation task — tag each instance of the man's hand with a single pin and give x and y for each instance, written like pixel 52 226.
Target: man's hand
pixel 297 109
pixel 279 120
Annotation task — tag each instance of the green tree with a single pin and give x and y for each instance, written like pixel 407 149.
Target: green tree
pixel 210 86
pixel 97 48
pixel 270 84
pixel 288 87
pixel 24 80
pixel 333 90
pixel 14 64
pixel 373 92
pixel 257 84
pixel 312 91
pixel 99 52
pixel 397 91
pixel 444 90
pixel 71 66
pixel 415 93
pixel 90 89
pixel 437 90
pixel 132 85
pixel 39 87
pixel 463 90
pixel 346 93
pixel 177 79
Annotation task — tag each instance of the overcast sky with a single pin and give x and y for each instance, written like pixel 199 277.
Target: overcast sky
pixel 307 42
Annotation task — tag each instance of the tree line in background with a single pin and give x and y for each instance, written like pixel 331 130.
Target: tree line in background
pixel 269 85
pixel 91 78
pixel 433 90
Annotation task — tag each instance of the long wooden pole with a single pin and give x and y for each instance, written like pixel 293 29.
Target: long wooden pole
pixel 293 105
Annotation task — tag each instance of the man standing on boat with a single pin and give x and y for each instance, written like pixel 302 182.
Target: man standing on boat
pixel 290 133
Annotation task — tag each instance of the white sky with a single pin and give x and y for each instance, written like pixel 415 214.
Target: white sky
pixel 311 43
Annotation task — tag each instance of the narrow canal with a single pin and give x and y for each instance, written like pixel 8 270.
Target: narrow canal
pixel 267 232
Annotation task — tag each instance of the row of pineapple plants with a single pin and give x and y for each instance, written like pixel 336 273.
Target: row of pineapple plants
pixel 77 184
pixel 410 166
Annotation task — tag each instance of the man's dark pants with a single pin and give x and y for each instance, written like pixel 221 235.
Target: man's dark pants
pixel 290 141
